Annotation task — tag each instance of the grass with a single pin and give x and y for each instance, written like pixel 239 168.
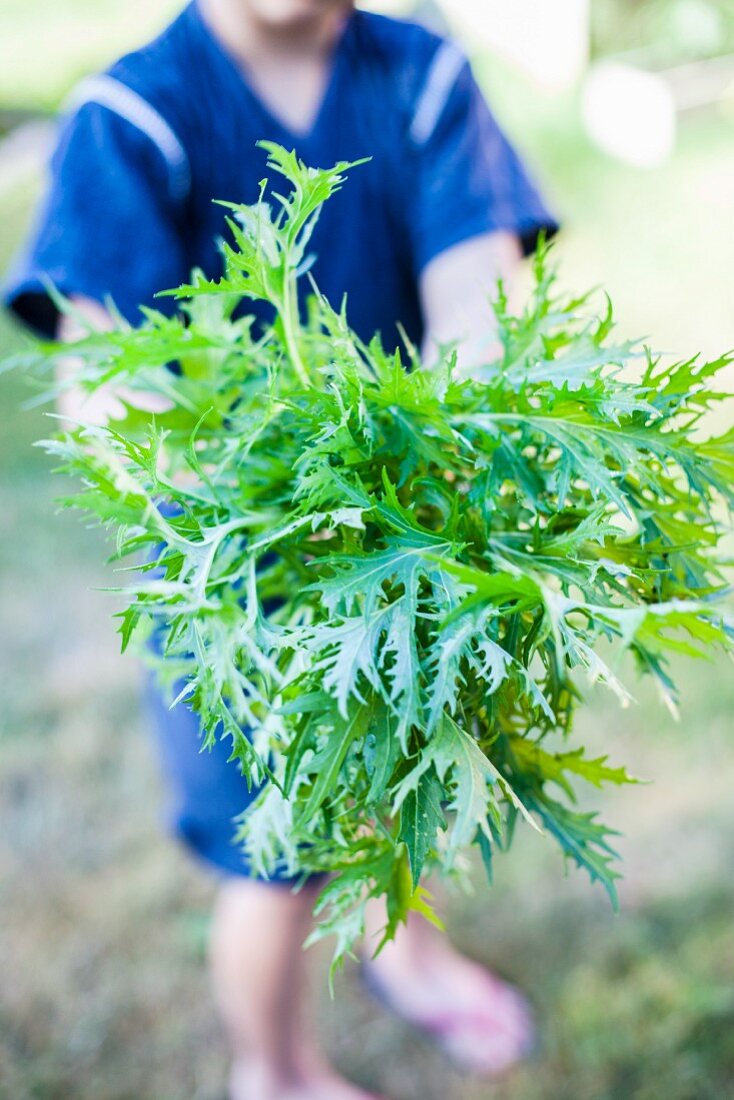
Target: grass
pixel 104 993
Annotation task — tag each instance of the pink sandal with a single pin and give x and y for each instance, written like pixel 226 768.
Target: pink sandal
pixel 473 1041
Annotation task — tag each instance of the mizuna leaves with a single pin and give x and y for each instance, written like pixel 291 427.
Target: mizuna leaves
pixel 398 581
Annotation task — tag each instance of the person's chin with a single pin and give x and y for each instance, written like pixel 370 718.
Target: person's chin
pixel 289 14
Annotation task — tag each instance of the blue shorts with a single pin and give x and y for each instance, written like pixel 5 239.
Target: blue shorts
pixel 205 793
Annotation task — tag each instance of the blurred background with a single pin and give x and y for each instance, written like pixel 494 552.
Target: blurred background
pixel 625 108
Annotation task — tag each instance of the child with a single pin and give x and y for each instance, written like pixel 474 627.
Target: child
pixel 416 238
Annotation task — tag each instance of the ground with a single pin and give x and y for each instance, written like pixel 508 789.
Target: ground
pixel 104 993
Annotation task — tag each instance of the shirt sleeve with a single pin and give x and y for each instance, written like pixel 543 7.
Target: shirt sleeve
pixel 468 179
pixel 109 227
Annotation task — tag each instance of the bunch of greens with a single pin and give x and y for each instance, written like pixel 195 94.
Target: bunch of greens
pixel 384 584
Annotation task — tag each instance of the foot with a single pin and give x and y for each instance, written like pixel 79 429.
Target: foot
pixel 484 1025
pixel 254 1081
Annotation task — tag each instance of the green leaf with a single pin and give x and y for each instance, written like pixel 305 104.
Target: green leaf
pixel 581 838
pixel 421 816
pixel 555 767
pixel 327 762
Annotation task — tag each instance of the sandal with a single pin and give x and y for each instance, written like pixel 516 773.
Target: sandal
pixel 470 1039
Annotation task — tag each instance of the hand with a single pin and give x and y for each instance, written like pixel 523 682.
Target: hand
pixel 105 404
pixel 457 290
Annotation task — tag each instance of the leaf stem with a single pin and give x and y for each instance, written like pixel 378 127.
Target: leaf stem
pixel 289 318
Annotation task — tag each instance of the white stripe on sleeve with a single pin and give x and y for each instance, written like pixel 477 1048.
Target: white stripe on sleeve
pixel 117 97
pixel 442 75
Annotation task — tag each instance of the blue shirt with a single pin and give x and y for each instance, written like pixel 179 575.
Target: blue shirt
pixel 145 148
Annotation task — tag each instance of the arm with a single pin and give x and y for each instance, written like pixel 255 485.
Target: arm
pixel 107 229
pixel 474 211
pixel 456 291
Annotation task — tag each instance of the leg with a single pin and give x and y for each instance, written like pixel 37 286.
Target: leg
pixel 259 974
pixel 258 930
pixel 483 1024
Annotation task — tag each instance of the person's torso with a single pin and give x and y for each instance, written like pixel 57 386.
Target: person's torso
pixel 360 242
